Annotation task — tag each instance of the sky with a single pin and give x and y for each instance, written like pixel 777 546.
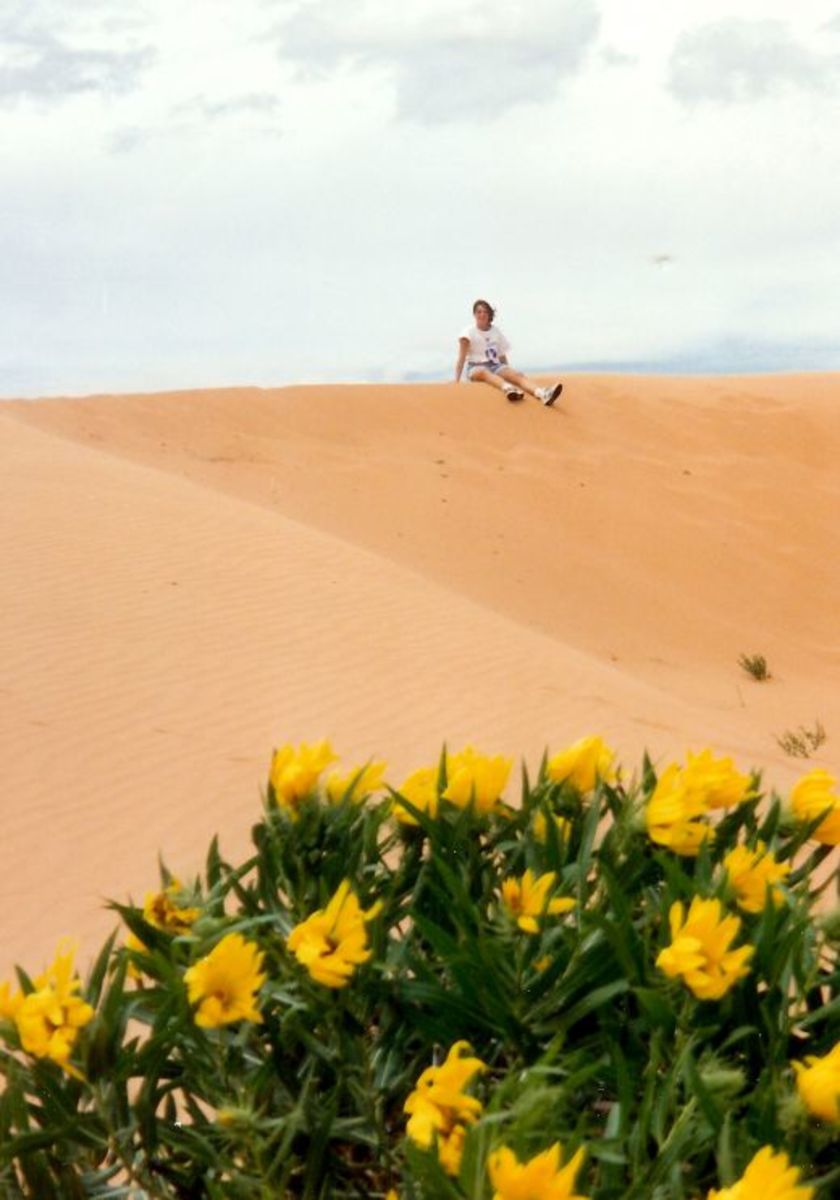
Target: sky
pixel 233 192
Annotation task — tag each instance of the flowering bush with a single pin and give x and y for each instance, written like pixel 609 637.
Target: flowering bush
pixel 617 989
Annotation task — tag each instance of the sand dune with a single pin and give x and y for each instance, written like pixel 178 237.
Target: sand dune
pixel 191 578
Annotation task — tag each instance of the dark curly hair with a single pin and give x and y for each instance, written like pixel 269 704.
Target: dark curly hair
pixel 489 307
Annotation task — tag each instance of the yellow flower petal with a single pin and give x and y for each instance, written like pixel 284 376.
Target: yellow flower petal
pixel 752 873
pixel 540 1178
pixel 716 779
pixel 49 1018
pixel 769 1176
pixel 225 982
pixel 700 952
pixel 420 790
pixel 540 827
pixel 295 772
pixel 818 1084
pixel 356 784
pixel 675 814
pixel 583 764
pixel 527 898
pixel 333 941
pixel 477 779
pixel 813 795
pixel 439 1109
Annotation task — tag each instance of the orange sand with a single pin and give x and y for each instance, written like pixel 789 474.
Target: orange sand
pixel 190 579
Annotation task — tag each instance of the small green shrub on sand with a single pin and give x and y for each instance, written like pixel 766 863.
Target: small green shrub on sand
pixel 755 665
pixel 802 742
pixel 617 990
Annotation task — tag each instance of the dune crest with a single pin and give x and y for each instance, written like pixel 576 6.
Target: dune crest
pixel 191 578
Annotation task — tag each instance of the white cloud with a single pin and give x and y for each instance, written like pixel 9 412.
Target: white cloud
pixel 735 60
pixel 468 60
pixel 263 103
pixel 46 69
pixel 196 118
pixel 48 55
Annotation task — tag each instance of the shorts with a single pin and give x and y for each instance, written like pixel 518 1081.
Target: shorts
pixel 493 367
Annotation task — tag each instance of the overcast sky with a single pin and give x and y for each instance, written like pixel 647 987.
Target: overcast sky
pixel 212 192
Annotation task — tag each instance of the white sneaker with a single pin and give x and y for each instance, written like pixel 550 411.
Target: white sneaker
pixel 513 393
pixel 549 395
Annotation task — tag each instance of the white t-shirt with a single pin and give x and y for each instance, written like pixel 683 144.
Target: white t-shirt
pixel 486 345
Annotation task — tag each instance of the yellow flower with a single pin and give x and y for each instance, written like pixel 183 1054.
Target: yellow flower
pixel 751 873
pixel 450 1148
pixel 476 778
pixel 10 1002
pixel 295 772
pixel 674 814
pixel 162 910
pixel 419 789
pixel 716 779
pixel 527 898
pixel 683 797
pixel 439 1109
pixel 812 795
pixel 699 950
pixel 224 984
pixel 769 1176
pixel 332 942
pixel 355 784
pixel 49 1018
pixel 818 1083
pixel 133 943
pixel 583 764
pixel 540 1178
pixel 540 827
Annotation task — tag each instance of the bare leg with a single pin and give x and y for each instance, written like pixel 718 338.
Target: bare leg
pixel 521 381
pixel 479 375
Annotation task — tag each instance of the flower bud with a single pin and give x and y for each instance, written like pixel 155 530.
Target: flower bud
pixel 830 924
pixel 235 1117
pixel 722 1082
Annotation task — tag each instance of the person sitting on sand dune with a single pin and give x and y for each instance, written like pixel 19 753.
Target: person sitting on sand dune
pixel 483 347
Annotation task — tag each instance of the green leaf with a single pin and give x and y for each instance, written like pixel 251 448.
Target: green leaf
pixel 657 1008
pixel 591 1002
